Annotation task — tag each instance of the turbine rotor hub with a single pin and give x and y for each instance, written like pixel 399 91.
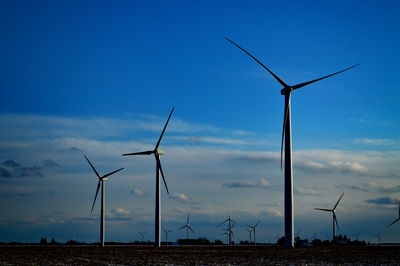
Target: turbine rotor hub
pixel 159 152
pixel 286 90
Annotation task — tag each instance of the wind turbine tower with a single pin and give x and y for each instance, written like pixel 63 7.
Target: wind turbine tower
pixel 102 212
pixel 231 223
pixel 333 211
pixel 141 234
pixel 254 230
pixel 157 153
pixel 287 136
pixel 188 227
pixel 166 234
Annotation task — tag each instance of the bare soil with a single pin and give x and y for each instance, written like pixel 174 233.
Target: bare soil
pixel 217 255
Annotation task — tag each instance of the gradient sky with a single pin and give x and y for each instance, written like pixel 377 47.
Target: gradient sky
pixel 100 78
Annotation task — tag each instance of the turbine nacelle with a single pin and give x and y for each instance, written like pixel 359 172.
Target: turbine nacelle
pixel 286 90
pixel 159 152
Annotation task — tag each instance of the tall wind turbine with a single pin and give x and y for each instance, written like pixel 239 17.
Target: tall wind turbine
pixel 187 226
pixel 103 208
pixel 157 153
pixel 287 136
pixel 254 230
pixel 398 204
pixel 333 216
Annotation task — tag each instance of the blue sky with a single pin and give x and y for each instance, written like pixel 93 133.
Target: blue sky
pixel 100 78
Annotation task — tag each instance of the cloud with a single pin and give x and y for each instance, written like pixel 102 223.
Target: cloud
pixel 183 198
pixel 120 211
pixel 372 186
pixel 50 164
pixel 262 183
pixel 382 201
pixel 42 220
pixel 215 140
pixel 4 172
pixel 137 192
pixel 306 191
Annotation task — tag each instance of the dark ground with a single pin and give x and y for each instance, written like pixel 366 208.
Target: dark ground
pixel 219 255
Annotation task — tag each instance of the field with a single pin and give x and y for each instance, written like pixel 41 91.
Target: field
pixel 219 255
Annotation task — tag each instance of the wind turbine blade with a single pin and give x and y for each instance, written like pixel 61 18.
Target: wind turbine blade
pixel 190 228
pixel 95 197
pixel 256 224
pixel 159 168
pixel 338 202
pixel 327 210
pixel 187 219
pixel 182 227
pixel 139 153
pixel 285 116
pixel 112 173
pixel 159 140
pixel 94 169
pixel 275 76
pixel 337 224
pixel 393 222
pixel 315 80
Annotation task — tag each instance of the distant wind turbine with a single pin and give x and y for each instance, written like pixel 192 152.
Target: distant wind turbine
pixel 395 221
pixel 102 212
pixel 166 234
pixel 254 230
pixel 187 226
pixel 356 236
pixel 333 216
pixel 287 136
pixel 378 235
pixel 157 153
pixel 231 223
pixel 142 234
pixel 250 231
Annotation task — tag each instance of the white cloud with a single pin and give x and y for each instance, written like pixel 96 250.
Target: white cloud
pixel 120 211
pixel 306 191
pixel 137 192
pixel 183 198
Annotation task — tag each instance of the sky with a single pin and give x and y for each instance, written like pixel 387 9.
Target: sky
pixel 99 78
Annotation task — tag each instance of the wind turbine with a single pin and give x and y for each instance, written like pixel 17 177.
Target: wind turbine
pixel 287 136
pixel 378 235
pixel 142 234
pixel 254 230
pixel 250 231
pixel 157 153
pixel 166 234
pixel 187 226
pixel 102 212
pixel 333 216
pixel 398 204
pixel 231 223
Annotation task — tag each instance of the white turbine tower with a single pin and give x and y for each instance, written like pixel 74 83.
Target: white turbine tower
pixel 378 235
pixel 188 227
pixel 254 230
pixel 157 153
pixel 103 208
pixel 287 136
pixel 395 221
pixel 333 211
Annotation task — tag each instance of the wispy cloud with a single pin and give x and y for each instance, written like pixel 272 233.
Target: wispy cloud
pixel 137 192
pixel 183 198
pixel 306 191
pixel 262 183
